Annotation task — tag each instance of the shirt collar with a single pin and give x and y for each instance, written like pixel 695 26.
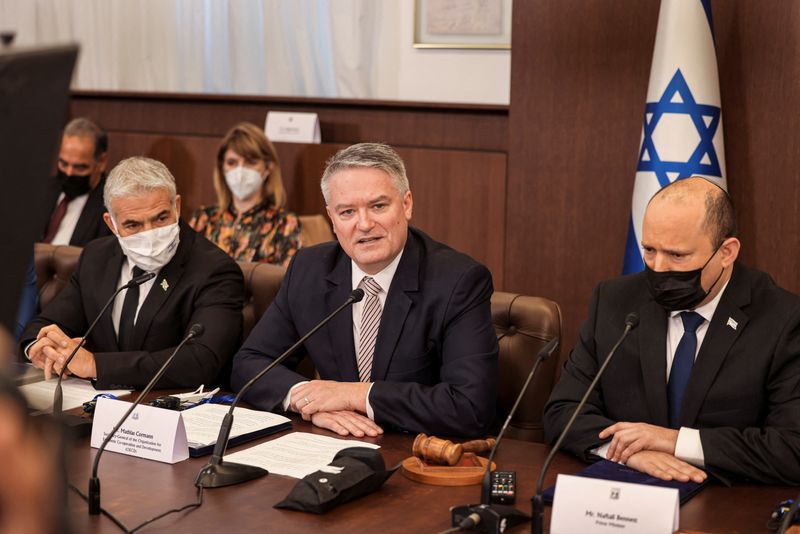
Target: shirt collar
pixel 383 278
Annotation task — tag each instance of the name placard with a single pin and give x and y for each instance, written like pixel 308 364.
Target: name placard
pixel 592 505
pixel 288 127
pixel 149 432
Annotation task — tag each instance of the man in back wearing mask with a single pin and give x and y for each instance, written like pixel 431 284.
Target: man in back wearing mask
pixel 75 196
pixel 195 283
pixel 709 381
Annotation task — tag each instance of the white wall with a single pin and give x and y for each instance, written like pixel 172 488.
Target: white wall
pixel 330 48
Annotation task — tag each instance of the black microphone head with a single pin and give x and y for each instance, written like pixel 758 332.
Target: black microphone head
pixel 357 294
pixel 548 349
pixel 141 279
pixel 632 320
pixel 196 330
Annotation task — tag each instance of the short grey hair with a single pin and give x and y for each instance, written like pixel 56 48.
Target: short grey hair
pixel 366 155
pixel 136 176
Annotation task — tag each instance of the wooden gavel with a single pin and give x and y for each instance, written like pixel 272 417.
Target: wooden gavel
pixel 443 451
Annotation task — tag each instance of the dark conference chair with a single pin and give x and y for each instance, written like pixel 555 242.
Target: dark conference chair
pixel 524 325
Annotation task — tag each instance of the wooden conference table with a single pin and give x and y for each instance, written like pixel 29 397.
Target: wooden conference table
pixel 135 490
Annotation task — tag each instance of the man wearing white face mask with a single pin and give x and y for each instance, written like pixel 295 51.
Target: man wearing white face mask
pixel 195 283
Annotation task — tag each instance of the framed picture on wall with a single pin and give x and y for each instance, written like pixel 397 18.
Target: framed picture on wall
pixel 462 24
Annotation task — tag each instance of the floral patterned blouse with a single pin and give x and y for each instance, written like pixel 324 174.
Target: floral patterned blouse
pixel 263 234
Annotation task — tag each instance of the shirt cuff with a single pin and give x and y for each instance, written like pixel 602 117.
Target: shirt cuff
pixel 287 400
pixel 28 348
pixel 689 448
pixel 602 450
pixel 370 412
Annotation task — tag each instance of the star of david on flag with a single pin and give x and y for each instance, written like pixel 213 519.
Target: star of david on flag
pixel 682 127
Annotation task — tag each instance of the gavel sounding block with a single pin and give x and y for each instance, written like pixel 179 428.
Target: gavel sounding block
pixel 468 471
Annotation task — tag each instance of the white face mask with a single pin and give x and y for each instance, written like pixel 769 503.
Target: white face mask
pixel 153 249
pixel 243 181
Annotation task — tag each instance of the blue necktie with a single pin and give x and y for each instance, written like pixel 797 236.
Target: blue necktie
pixel 682 365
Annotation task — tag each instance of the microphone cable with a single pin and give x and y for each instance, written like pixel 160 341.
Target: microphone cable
pixel 125 529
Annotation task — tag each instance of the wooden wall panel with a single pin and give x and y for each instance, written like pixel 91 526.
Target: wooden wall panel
pixel 579 77
pixel 758 49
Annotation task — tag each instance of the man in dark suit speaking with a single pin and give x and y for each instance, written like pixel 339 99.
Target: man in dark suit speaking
pixel 710 379
pixel 196 283
pixel 418 353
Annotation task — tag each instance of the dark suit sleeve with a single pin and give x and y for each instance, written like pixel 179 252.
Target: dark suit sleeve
pixel 578 372
pixel 463 402
pixel 770 453
pixel 272 335
pixel 217 305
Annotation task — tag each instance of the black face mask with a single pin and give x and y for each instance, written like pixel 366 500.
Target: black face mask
pixel 74 186
pixel 679 290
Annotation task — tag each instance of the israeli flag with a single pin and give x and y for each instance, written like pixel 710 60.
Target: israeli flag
pixel 682 130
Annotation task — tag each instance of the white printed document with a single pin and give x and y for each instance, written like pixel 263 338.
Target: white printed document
pixel 203 422
pixel 296 455
pixel 76 391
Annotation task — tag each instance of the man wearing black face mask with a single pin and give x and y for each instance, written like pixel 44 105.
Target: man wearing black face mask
pixel 710 379
pixel 74 209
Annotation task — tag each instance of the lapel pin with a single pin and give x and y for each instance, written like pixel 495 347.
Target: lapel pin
pixel 165 286
pixel 733 324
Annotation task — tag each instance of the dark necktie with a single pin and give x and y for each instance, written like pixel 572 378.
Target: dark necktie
pixel 126 318
pixel 55 219
pixel 682 365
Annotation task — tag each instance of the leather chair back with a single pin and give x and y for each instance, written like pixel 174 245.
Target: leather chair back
pixel 54 266
pixel 524 325
pixel 261 283
pixel 314 229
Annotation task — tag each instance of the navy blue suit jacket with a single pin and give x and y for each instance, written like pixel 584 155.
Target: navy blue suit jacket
pixel 743 394
pixel 435 363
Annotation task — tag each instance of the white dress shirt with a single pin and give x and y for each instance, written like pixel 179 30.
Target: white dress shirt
pixel 70 220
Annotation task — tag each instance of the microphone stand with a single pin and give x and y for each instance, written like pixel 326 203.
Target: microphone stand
pixel 94 482
pixel 215 473
pixel 58 394
pixel 537 502
pixel 487 517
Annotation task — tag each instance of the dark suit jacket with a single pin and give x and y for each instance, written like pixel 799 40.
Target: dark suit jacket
pixel 743 394
pixel 203 285
pixel 90 224
pixel 435 363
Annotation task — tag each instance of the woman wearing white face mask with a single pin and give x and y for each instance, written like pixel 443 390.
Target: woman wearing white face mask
pixel 249 221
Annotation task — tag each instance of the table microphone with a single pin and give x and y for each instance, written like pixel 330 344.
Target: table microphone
pixel 58 394
pixel 486 517
pixel 537 502
pixel 195 330
pixel 216 474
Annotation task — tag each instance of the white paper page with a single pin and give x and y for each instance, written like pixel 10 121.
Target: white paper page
pixel 203 422
pixel 296 455
pixel 76 391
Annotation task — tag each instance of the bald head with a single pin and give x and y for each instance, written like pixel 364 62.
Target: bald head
pixel 706 199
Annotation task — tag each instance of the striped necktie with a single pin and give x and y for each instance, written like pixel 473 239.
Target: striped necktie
pixel 370 321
